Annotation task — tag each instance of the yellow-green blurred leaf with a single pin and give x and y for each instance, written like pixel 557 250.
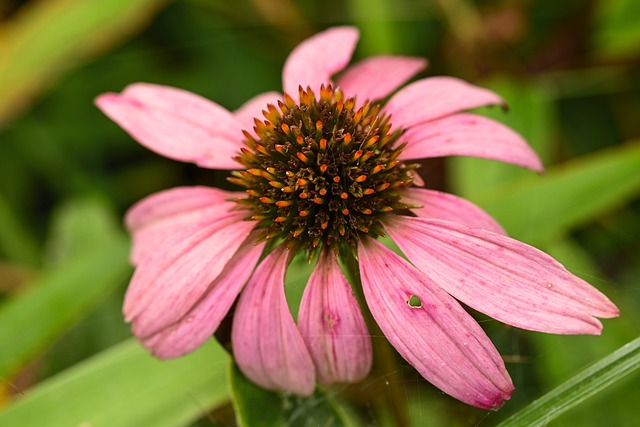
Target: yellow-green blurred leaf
pixel 540 208
pixel 126 387
pixel 617 32
pixel 47 38
pixel 89 254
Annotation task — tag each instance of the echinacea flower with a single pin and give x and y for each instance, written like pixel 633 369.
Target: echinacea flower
pixel 326 169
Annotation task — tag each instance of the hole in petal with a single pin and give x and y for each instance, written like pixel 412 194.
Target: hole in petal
pixel 414 301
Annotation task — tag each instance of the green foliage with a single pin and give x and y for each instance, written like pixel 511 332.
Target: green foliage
pixel 91 261
pixel 47 39
pixel 537 208
pixel 605 372
pixel 125 386
pixel 257 407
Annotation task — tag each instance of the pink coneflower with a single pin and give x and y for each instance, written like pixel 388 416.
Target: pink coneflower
pixel 326 169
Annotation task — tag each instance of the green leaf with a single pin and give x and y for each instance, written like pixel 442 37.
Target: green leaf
pixel 257 407
pixel 541 208
pixel 617 33
pixel 254 406
pixel 125 386
pixel 45 39
pixel 78 225
pixel 57 299
pixel 15 240
pixel 597 377
pixel 531 114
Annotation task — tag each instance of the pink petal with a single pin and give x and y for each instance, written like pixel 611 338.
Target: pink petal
pixel 469 135
pixel 377 77
pixel 314 60
pixel 156 218
pixel 166 285
pixel 501 277
pixel 199 323
pixel 332 325
pixel 435 335
pixel 178 200
pixel 437 205
pixel 176 124
pixel 253 109
pixel 435 97
pixel 267 346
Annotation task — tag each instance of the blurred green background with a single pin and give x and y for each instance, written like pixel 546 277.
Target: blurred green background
pixel 569 71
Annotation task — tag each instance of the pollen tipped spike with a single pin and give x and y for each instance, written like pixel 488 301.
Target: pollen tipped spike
pixel 238 181
pixel 283 108
pixel 266 175
pixel 366 156
pixel 302 157
pixel 377 169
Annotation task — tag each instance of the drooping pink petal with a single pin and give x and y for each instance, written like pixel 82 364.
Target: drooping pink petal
pixel 162 215
pixel 438 205
pixel 253 109
pixel 467 134
pixel 376 78
pixel 332 325
pixel 176 124
pixel 199 323
pixel 167 284
pixel 501 277
pixel 431 330
pixel 168 203
pixel 267 346
pixel 314 60
pixel 435 97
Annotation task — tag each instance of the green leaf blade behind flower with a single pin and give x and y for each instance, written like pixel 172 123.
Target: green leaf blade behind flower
pixel 90 256
pixel 45 39
pixel 126 387
pixel 257 407
pixel 538 209
pixel 597 377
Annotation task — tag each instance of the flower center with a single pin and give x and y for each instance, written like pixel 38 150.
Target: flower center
pixel 322 171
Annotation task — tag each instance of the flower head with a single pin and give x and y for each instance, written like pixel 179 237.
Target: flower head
pixel 326 168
